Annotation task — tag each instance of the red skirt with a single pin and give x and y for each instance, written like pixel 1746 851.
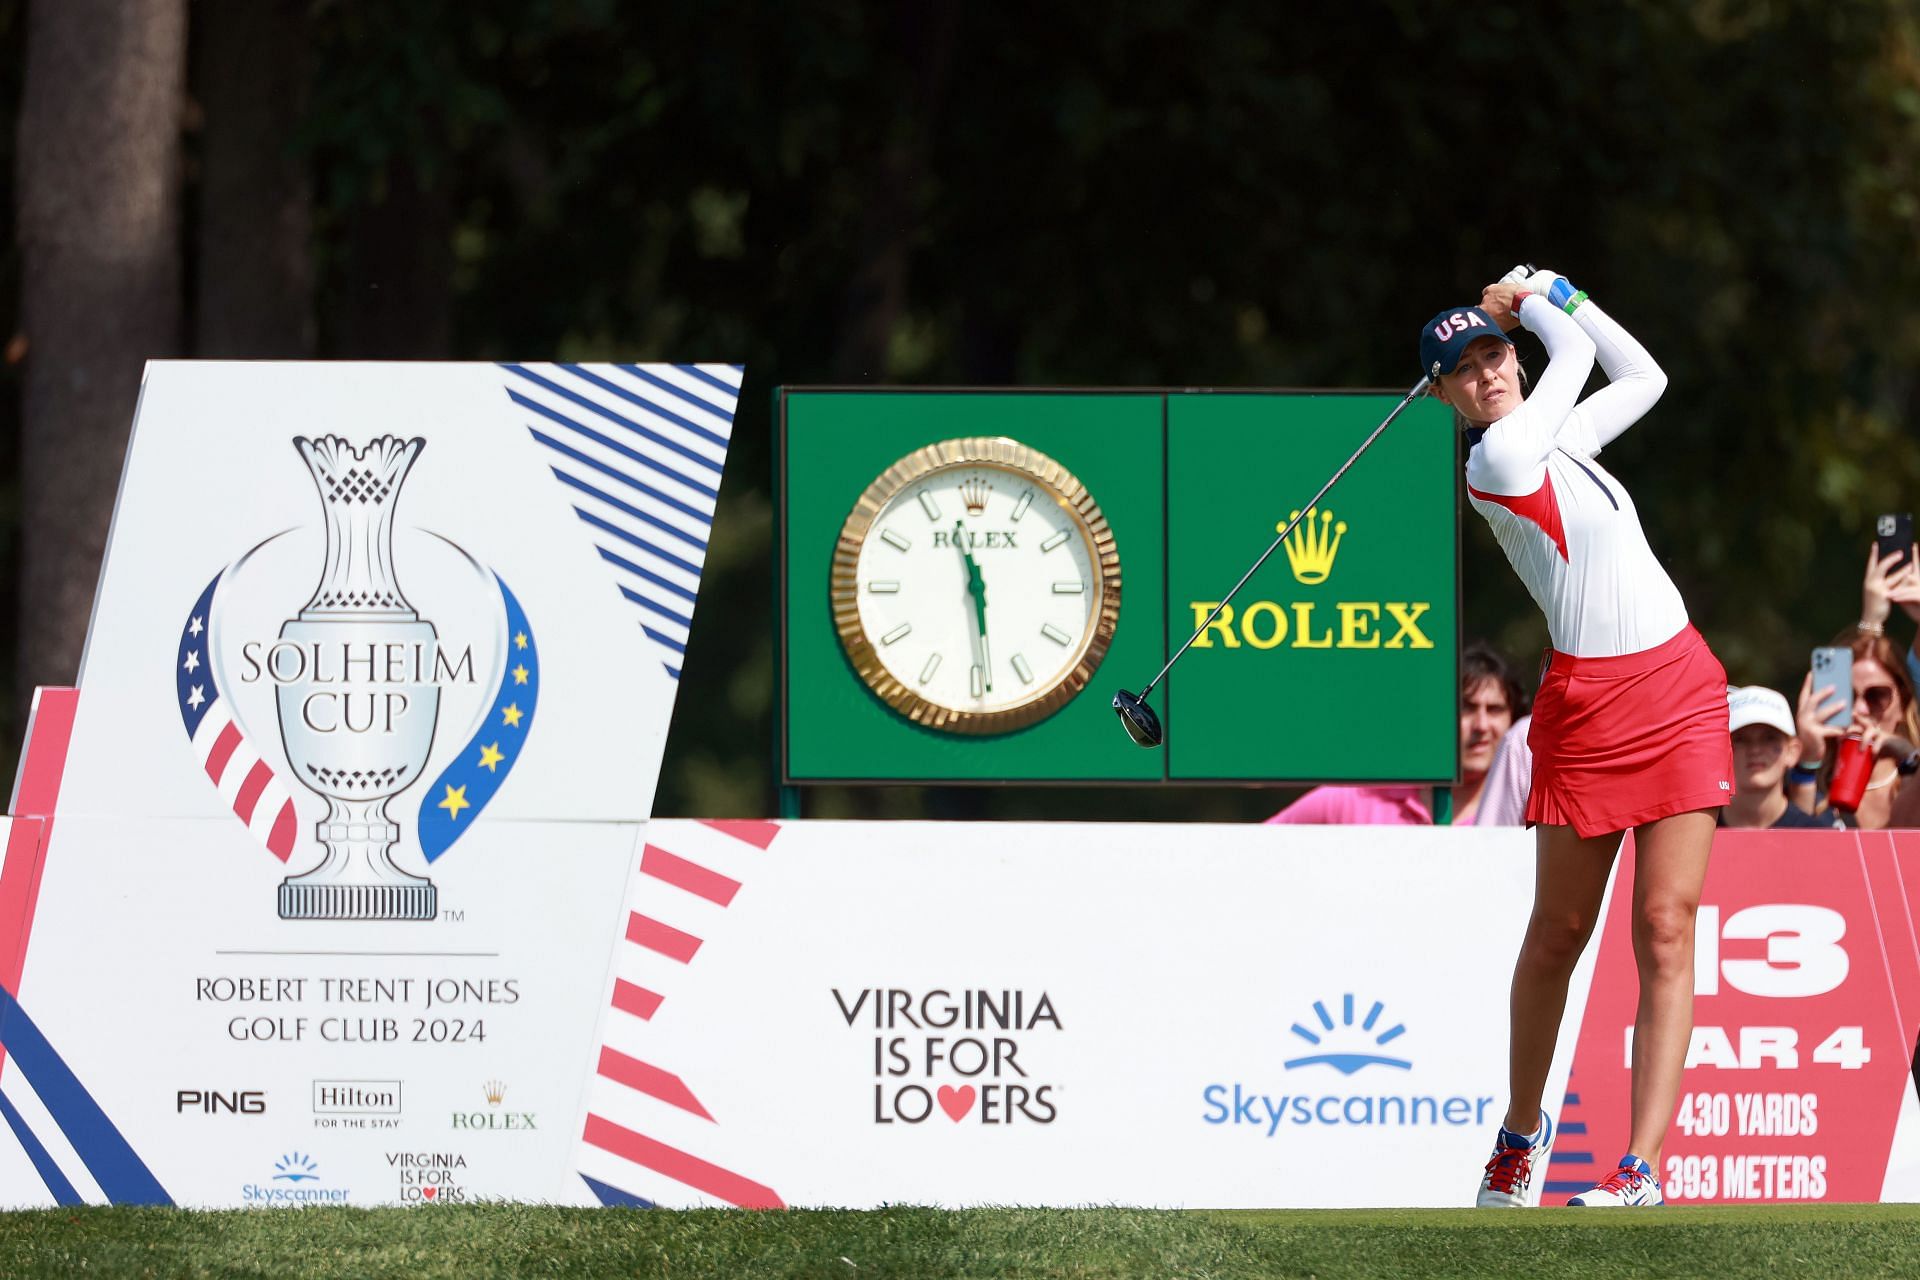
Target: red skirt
pixel 1621 741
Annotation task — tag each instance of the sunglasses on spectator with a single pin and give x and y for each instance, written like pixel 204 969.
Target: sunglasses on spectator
pixel 1878 698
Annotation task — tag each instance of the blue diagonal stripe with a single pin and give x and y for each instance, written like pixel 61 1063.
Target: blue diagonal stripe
pixel 664 526
pixel 614 1197
pixel 679 393
pixel 662 638
pixel 608 442
pixel 653 406
pixel 654 578
pixel 672 670
pixel 718 384
pixel 122 1175
pixel 655 606
pixel 621 476
pixel 591 406
pixel 56 1181
pixel 638 541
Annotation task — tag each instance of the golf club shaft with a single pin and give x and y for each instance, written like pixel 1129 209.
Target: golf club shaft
pixel 1412 395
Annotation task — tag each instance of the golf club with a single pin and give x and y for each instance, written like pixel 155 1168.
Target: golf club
pixel 1142 725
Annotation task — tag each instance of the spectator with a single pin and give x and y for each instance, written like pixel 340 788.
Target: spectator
pixel 1885 586
pixel 1765 745
pixel 1489 697
pixel 1503 799
pixel 1884 718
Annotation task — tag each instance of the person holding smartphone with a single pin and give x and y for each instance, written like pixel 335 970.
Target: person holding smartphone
pixel 1629 725
pixel 1893 577
pixel 1880 710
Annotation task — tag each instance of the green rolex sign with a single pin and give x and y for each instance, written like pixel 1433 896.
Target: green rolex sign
pixel 1338 660
pixel 967 576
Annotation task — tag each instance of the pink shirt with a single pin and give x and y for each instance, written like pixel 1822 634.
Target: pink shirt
pixel 1359 806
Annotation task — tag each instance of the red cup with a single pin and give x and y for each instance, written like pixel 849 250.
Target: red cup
pixel 1852 766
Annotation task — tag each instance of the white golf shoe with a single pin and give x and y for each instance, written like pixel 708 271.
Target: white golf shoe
pixel 1632 1185
pixel 1508 1180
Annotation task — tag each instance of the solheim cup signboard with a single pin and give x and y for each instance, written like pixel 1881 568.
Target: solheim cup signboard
pixel 329 867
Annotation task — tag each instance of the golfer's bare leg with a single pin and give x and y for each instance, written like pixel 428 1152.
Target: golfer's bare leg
pixel 1669 866
pixel 1569 882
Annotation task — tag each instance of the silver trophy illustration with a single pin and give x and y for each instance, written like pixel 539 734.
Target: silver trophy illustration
pixel 357 699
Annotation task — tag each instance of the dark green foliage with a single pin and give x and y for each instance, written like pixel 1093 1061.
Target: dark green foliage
pixel 1163 193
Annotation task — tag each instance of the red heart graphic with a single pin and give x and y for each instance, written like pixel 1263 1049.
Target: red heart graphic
pixel 428 1191
pixel 956 1102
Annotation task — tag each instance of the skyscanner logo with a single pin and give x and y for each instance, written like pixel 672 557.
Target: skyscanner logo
pixel 1328 1037
pixel 1354 1040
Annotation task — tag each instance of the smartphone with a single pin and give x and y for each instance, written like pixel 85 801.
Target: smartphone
pixel 1893 534
pixel 1834 666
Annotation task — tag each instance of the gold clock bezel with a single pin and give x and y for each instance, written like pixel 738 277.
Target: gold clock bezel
pixel 1056 482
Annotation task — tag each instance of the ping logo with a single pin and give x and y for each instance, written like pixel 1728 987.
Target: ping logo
pixel 1348 1062
pixel 1458 322
pixel 974 494
pixel 244 1102
pixel 1310 550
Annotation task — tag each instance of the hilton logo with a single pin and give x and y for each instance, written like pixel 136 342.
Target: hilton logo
pixel 356 1097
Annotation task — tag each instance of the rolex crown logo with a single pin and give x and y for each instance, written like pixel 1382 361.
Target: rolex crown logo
pixel 1310 549
pixel 974 493
pixel 495 1092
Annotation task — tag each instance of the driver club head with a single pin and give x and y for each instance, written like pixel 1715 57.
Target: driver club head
pixel 1141 724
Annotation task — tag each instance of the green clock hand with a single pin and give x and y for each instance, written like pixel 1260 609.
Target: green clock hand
pixel 977 588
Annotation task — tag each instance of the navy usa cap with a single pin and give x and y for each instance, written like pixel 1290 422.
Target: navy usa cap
pixel 1449 334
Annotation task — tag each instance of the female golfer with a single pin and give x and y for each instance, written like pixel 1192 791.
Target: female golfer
pixel 1630 724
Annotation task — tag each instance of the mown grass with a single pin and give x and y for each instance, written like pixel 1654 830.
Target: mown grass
pixel 480 1242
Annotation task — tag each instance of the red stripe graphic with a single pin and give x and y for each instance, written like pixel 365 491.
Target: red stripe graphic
pixel 44 754
pixel 638 1001
pixel 691 876
pixel 650 1080
pixel 257 779
pixel 664 938
pixel 1541 507
pixel 223 747
pixel 755 833
pixel 285 828
pixel 678 1165
pixel 43 763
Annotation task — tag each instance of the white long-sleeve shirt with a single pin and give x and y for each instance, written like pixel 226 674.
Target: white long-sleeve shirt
pixel 1503 796
pixel 1569 528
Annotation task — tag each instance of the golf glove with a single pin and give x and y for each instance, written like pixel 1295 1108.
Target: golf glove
pixel 1556 289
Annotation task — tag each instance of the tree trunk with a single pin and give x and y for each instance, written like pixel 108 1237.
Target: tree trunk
pixel 99 150
pixel 255 295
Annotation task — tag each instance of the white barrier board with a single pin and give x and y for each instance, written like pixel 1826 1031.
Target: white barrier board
pixel 1072 1014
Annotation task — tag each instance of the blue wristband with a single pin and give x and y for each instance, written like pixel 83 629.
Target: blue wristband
pixel 1804 773
pixel 1564 296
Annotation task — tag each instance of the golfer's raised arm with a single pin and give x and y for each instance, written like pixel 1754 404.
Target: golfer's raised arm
pixel 1515 445
pixel 1635 380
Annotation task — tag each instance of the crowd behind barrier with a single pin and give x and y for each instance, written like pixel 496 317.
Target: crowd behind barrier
pixel 1786 754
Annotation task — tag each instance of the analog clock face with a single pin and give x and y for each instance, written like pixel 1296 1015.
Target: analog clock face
pixel 976 586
